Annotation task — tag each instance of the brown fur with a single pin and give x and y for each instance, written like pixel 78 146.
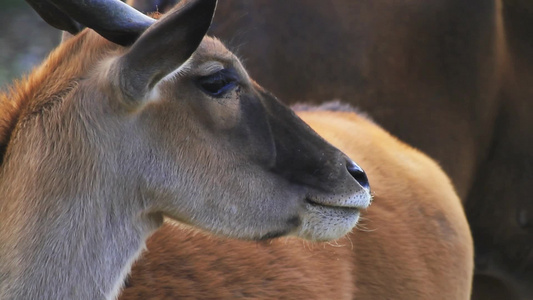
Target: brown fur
pixel 412 243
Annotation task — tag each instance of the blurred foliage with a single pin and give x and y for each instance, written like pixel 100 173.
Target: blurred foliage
pixel 25 40
pixel 5 4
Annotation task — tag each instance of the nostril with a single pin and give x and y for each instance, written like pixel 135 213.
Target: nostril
pixel 358 174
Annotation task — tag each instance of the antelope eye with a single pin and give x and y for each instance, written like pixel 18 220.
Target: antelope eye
pixel 219 83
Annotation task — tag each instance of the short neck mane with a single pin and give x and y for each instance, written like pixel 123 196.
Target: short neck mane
pixel 61 236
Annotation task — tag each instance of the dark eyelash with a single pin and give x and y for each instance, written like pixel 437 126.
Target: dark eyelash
pixel 219 83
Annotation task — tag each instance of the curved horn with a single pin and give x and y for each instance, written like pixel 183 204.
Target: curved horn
pixel 114 20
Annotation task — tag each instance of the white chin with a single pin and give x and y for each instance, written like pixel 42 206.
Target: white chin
pixel 325 223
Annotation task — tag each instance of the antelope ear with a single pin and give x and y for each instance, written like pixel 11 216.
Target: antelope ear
pixel 65 36
pixel 164 47
pixel 148 6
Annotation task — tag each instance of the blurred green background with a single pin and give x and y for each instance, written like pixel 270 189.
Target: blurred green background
pixel 25 40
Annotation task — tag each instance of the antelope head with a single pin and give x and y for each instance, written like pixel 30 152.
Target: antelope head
pixel 171 116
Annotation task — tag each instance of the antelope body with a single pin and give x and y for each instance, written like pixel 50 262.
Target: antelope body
pixel 138 120
pixel 413 242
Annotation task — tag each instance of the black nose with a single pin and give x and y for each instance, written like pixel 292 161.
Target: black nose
pixel 358 174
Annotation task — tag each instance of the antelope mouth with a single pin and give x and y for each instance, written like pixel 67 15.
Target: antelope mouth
pixel 339 207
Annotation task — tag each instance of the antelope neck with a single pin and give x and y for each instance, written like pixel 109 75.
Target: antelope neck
pixel 67 247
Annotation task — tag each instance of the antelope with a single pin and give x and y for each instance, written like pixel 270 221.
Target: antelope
pixel 135 120
pixel 450 77
pixel 412 243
